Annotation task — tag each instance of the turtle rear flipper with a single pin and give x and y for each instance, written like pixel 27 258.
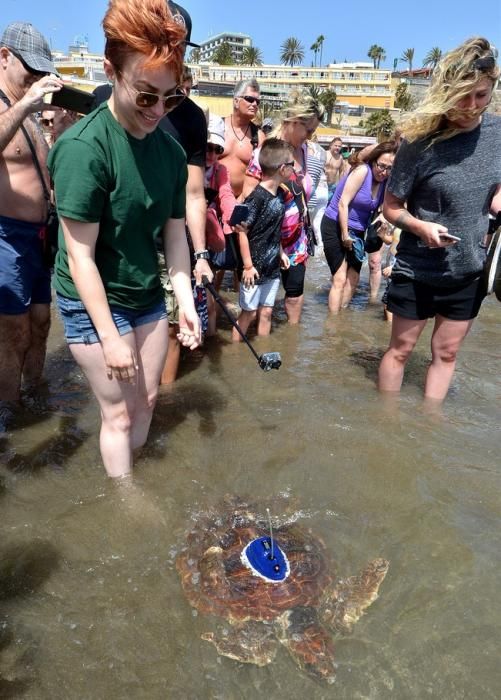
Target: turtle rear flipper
pixel 350 597
pixel 250 642
pixel 308 642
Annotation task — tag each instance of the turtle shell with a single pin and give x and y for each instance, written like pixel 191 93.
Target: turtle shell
pixel 216 581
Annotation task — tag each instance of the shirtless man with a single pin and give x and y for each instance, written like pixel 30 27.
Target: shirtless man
pixel 25 77
pixel 241 136
pixel 335 165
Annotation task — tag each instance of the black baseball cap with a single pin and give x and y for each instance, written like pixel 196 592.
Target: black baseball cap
pixel 183 18
pixel 30 45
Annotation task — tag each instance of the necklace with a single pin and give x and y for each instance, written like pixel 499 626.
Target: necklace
pixel 240 140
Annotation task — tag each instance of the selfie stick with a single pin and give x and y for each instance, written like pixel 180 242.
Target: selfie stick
pixel 268 360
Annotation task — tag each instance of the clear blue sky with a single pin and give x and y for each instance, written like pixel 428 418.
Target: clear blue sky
pixel 349 26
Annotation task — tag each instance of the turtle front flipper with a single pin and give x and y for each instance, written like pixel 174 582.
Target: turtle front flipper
pixel 346 603
pixel 250 642
pixel 309 643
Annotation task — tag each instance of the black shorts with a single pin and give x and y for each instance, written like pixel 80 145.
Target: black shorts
pixel 293 280
pixel 418 301
pixel 334 251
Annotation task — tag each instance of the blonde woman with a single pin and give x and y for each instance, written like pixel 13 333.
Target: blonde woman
pixel 298 123
pixel 448 171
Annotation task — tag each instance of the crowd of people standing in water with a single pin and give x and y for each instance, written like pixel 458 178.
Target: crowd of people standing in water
pixel 146 189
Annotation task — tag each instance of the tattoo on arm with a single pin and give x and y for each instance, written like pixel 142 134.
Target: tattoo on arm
pixel 401 219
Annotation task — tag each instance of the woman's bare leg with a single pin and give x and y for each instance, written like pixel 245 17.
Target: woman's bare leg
pixel 352 280
pixel 337 286
pixel 244 320
pixel 374 275
pixel 293 308
pixel 126 408
pixel 445 342
pixel 404 336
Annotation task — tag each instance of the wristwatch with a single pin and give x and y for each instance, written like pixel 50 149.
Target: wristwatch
pixel 202 255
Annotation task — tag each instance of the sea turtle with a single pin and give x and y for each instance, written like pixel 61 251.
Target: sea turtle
pixel 301 611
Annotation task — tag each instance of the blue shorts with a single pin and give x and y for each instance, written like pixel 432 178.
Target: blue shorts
pixel 24 279
pixel 78 327
pixel 263 294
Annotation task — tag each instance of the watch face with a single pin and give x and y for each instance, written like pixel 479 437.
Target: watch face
pixel 204 255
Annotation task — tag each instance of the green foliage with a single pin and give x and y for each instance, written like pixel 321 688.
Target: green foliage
pixel 223 55
pixel 292 52
pixel 379 124
pixel 408 57
pixel 328 99
pixel 194 56
pixel 320 43
pixel 377 54
pixel 251 56
pixel 433 57
pixel 403 98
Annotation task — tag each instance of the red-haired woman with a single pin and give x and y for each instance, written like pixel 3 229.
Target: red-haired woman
pixel 120 184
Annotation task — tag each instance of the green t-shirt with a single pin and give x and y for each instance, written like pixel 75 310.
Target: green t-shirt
pixel 131 187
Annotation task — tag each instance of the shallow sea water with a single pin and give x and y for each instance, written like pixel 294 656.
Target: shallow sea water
pixel 90 600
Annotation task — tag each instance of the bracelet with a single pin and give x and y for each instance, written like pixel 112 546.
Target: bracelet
pixel 202 255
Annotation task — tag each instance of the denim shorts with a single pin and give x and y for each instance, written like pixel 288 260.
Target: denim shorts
pixel 78 327
pixel 24 278
pixel 263 294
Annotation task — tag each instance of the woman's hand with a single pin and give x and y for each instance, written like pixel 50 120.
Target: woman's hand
pixel 386 271
pixel 120 359
pixel 249 276
pixel 190 333
pixel 347 242
pixel 285 263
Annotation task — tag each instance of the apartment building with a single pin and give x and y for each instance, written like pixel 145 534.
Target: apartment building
pixel 358 83
pixel 238 42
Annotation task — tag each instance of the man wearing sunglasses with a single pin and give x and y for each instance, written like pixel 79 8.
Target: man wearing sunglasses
pixel 27 74
pixel 242 136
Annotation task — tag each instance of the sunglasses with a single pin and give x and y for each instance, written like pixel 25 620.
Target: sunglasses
pixel 486 64
pixel 250 99
pixel 384 168
pixel 150 99
pixel 288 164
pixel 31 71
pixel 46 122
pixel 214 148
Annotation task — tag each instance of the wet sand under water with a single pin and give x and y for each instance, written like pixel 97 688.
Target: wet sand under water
pixel 90 601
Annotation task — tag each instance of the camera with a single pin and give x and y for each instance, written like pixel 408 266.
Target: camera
pixel 270 360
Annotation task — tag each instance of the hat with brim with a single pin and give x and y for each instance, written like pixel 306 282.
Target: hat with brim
pixel 180 16
pixel 215 130
pixel 27 42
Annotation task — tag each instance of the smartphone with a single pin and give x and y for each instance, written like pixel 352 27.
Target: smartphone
pixel 72 99
pixel 240 214
pixel 448 237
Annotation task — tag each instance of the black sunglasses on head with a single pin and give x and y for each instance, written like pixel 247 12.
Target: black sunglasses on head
pixel 484 64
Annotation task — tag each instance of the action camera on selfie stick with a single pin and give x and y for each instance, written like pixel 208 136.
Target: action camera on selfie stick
pixel 268 360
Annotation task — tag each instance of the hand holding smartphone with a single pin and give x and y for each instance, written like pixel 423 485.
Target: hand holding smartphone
pixel 448 237
pixel 239 214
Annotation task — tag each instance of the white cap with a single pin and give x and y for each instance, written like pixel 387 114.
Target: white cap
pixel 215 130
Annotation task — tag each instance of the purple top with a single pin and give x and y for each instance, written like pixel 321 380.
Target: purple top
pixel 361 206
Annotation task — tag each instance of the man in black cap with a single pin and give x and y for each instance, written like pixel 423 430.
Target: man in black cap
pixel 187 124
pixel 27 74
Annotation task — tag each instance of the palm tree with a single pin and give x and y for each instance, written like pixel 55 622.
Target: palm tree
pixel 223 55
pixel 320 43
pixel 379 124
pixel 194 55
pixel 373 53
pixel 408 57
pixel 380 56
pixel 328 99
pixel 292 52
pixel 314 47
pixel 251 56
pixel 433 57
